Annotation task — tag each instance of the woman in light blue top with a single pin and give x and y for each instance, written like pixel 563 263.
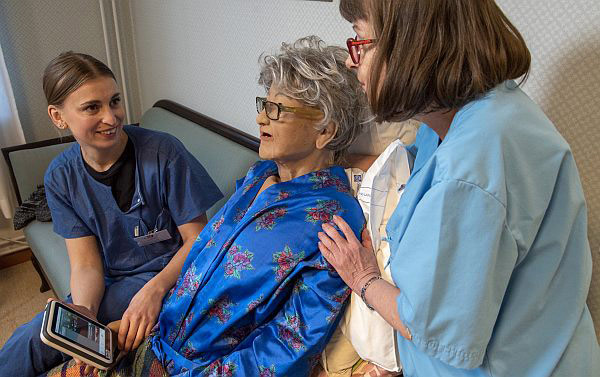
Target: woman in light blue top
pixel 490 256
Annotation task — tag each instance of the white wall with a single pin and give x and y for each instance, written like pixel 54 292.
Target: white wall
pixel 204 54
pixel 564 39
pixel 32 32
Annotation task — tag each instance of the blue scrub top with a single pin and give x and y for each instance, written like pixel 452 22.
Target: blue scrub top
pixel 490 251
pixel 171 188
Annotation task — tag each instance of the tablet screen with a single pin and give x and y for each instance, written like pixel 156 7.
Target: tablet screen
pixel 77 329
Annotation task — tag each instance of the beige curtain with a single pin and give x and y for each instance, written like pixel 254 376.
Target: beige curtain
pixel 11 134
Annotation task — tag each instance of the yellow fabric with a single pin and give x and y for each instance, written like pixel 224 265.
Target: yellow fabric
pixel 378 136
pixel 339 356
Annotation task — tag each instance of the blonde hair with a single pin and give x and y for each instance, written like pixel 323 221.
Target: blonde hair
pixel 67 72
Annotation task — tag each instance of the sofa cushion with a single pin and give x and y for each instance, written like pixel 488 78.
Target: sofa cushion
pixel 29 166
pixel 224 160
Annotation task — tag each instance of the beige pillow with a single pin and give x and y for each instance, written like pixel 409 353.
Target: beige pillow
pixel 379 135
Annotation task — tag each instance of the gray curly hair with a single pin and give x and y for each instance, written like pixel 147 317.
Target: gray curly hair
pixel 315 74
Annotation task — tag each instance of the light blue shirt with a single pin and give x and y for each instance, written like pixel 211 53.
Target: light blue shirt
pixel 490 250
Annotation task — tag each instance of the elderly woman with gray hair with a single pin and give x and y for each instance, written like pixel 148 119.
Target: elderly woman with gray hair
pixel 255 296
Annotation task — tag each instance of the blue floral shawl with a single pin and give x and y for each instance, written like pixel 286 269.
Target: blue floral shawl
pixel 256 297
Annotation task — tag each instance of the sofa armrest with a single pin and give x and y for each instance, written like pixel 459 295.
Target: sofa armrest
pixel 27 163
pixel 51 253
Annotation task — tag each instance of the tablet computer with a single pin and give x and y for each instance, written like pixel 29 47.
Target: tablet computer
pixel 77 335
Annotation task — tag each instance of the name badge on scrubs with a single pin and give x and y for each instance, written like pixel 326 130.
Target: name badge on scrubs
pixel 153 237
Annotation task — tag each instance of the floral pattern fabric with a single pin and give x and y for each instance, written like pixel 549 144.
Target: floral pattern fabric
pixel 256 297
pixel 238 260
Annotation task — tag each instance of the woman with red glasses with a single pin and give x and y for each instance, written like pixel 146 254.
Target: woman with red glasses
pixel 489 249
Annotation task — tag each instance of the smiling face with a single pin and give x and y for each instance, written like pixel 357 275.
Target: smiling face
pixel 292 139
pixel 94 114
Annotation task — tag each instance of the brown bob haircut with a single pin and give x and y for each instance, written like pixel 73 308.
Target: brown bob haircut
pixel 353 10
pixel 67 72
pixel 440 54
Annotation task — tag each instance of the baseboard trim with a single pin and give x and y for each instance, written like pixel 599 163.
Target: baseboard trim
pixel 15 258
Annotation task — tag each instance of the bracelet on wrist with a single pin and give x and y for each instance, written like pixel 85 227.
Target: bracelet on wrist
pixel 364 290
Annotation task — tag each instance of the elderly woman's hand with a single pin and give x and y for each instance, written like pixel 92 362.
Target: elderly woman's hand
pixel 353 260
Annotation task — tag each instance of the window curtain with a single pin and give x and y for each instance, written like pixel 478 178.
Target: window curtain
pixel 11 134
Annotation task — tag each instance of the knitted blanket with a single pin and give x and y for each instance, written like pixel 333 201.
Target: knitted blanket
pixel 35 207
pixel 141 363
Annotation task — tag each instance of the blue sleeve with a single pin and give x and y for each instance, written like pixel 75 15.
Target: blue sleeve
pixel 65 220
pixel 290 343
pixel 190 190
pixel 452 267
pixel 239 183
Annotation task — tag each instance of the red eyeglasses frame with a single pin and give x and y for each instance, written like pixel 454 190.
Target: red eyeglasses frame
pixel 353 45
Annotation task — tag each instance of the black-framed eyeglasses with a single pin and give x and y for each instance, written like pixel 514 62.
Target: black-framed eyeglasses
pixel 273 109
pixel 355 46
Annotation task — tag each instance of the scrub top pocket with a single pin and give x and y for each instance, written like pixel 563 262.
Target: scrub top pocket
pixel 125 255
pixel 161 252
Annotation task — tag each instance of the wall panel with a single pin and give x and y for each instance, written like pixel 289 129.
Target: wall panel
pixel 33 32
pixel 204 54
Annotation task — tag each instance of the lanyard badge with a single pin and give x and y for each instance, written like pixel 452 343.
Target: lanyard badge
pixel 153 236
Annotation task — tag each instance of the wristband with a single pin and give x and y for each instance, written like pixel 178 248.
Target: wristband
pixel 364 290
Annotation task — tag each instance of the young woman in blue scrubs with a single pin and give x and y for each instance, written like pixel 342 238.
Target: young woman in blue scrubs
pixel 114 186
pixel 490 256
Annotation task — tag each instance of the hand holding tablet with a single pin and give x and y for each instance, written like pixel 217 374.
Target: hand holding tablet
pixel 77 335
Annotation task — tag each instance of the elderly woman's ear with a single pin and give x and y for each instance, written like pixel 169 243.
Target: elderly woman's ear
pixel 326 135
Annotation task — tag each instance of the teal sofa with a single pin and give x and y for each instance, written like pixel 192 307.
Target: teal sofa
pixel 224 151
